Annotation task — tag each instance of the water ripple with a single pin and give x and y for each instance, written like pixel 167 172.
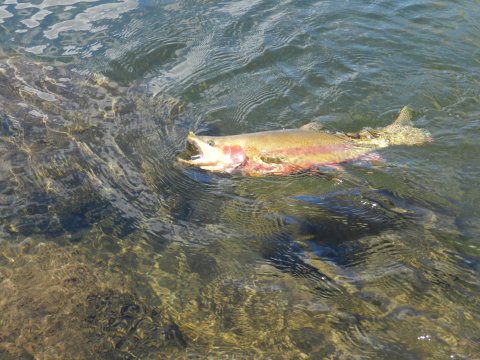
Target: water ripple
pixel 324 266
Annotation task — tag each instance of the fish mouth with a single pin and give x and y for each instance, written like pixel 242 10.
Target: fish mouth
pixel 205 155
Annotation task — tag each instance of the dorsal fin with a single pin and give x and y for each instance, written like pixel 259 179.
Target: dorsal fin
pixel 312 126
pixel 404 117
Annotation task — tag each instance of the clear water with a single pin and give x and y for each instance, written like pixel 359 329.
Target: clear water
pixel 110 249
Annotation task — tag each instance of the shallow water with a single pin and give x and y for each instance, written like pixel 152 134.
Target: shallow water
pixel 111 249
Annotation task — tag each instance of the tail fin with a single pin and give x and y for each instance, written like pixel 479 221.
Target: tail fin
pixel 404 117
pixel 402 131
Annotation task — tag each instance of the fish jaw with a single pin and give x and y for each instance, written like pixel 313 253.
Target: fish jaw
pixel 215 157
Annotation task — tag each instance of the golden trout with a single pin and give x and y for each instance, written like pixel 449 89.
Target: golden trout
pixel 284 152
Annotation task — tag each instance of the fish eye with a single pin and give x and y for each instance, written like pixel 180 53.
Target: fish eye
pixel 211 142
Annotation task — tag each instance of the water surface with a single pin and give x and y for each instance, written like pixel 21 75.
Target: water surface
pixel 110 249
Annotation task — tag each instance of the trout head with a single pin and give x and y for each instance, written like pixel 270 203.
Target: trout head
pixel 215 154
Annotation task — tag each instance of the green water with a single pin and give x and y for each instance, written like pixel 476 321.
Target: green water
pixel 110 249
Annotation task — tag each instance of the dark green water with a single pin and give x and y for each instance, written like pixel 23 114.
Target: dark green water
pixel 109 249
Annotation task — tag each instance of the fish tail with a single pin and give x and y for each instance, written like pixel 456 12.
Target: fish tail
pixel 404 117
pixel 402 130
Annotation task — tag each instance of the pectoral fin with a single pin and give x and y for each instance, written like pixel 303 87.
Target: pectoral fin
pixel 272 158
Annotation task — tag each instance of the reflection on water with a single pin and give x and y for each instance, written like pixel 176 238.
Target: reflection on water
pixel 109 248
pixel 45 21
pixel 4 13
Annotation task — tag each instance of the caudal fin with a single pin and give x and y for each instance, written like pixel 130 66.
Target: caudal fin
pixel 402 131
pixel 404 117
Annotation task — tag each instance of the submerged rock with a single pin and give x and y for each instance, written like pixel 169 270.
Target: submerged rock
pixel 57 304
